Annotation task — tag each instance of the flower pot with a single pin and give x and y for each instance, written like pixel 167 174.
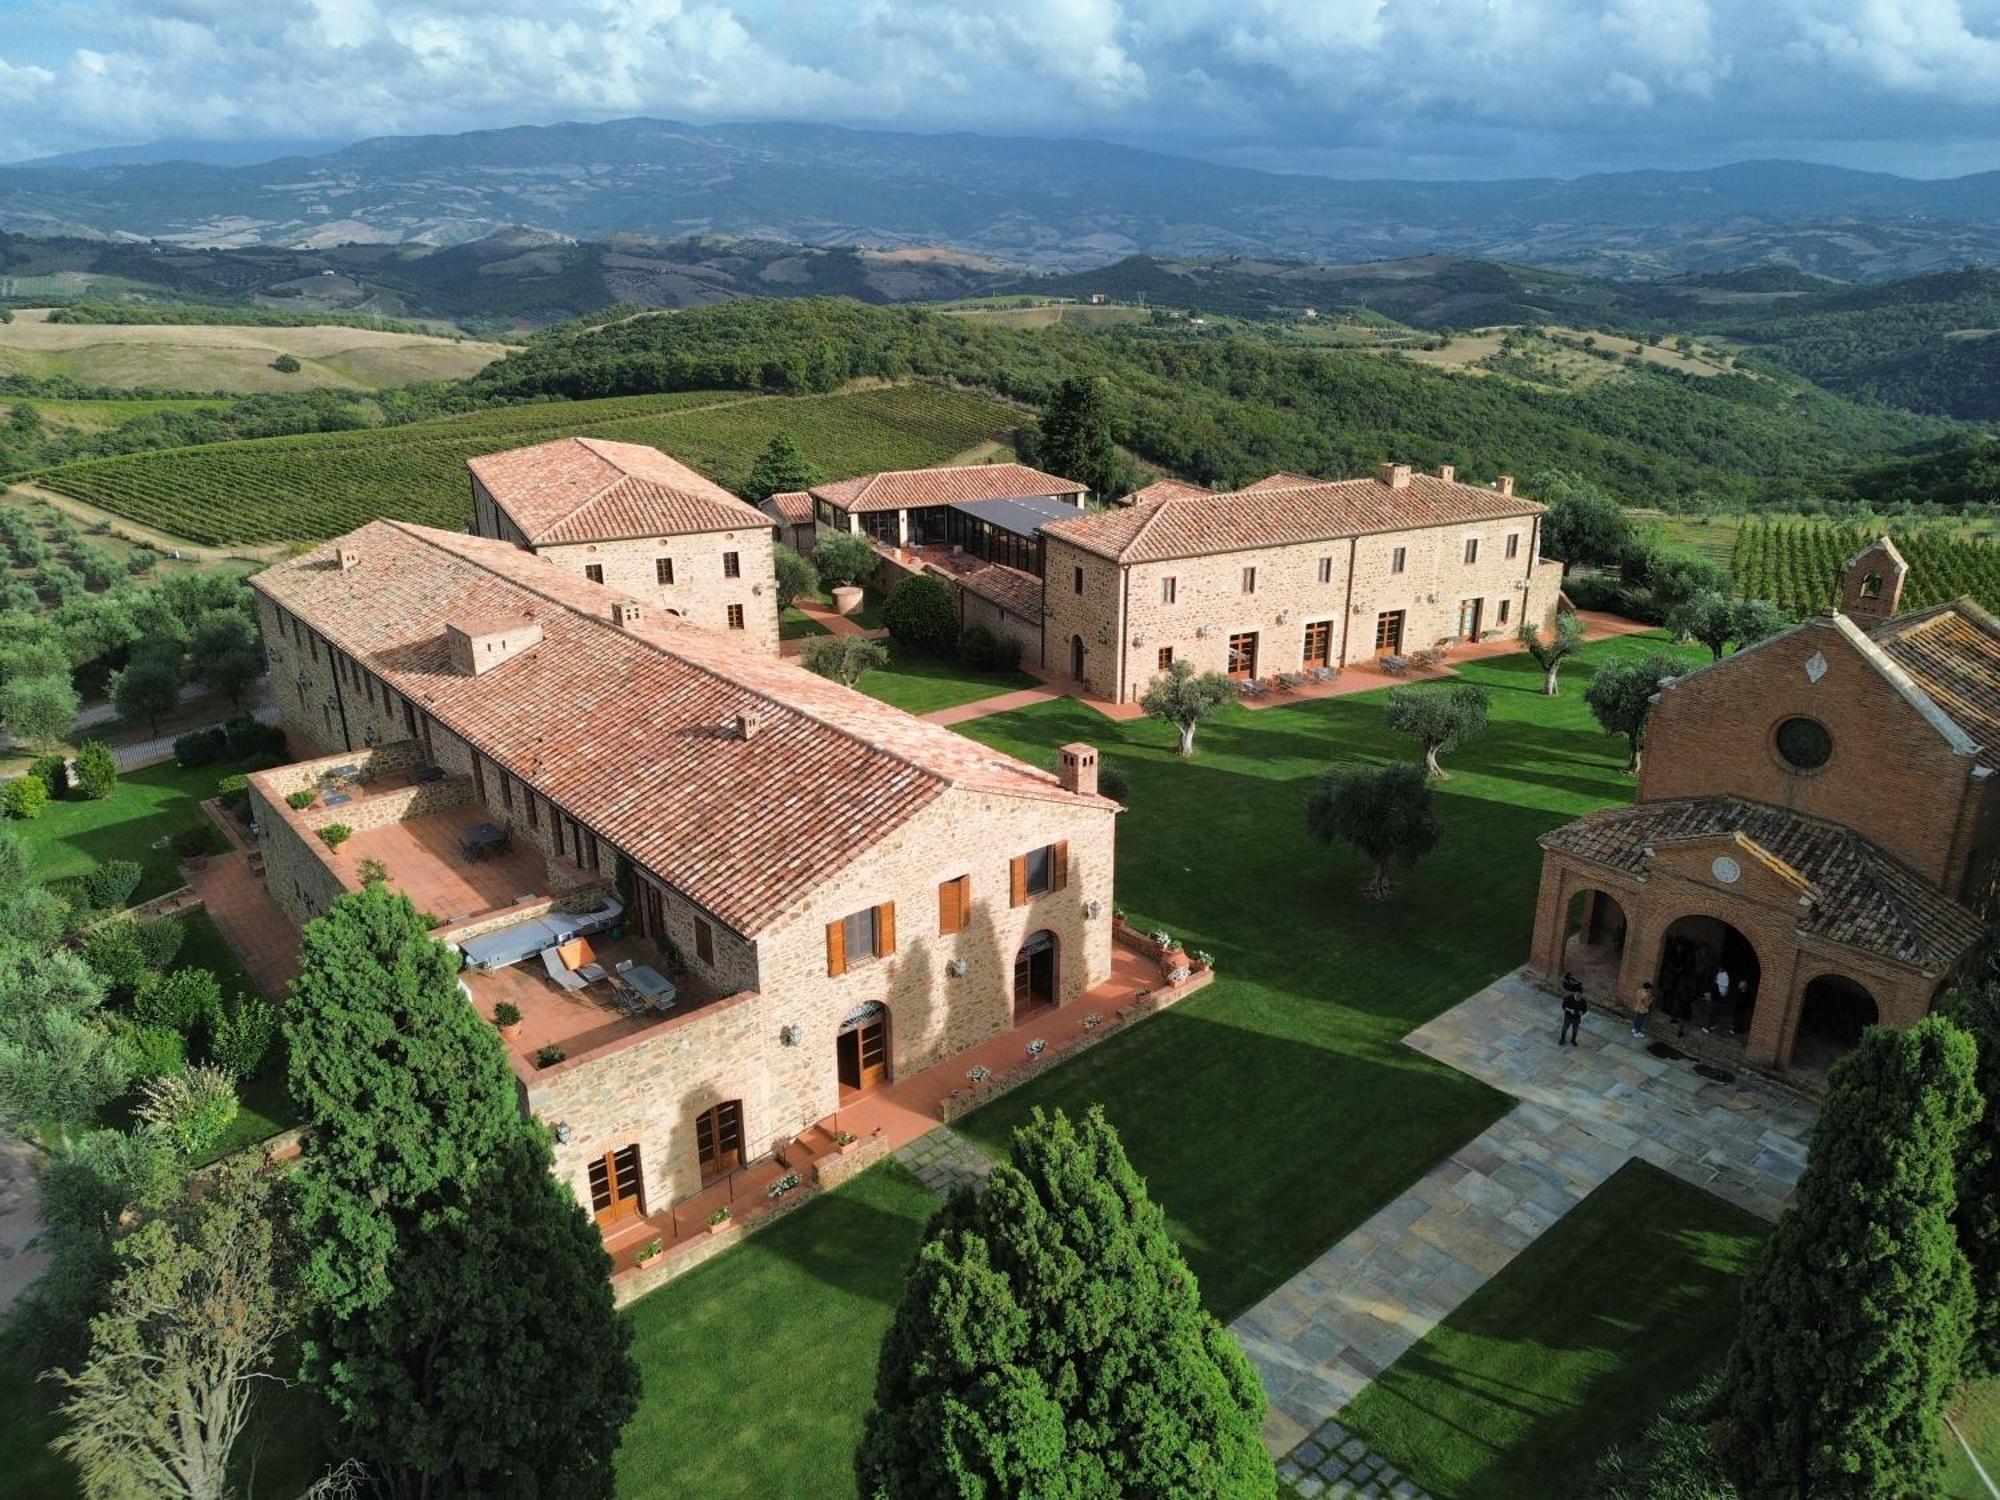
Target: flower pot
pixel 846 599
pixel 719 1225
pixel 1172 959
pixel 646 1260
pixel 510 1032
pixel 843 1147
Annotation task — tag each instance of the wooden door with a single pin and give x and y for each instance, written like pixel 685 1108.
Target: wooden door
pixel 1319 644
pixel 1243 655
pixel 1076 657
pixel 614 1186
pixel 1469 611
pixel 1035 975
pixel 718 1139
pixel 863 1054
pixel 1389 633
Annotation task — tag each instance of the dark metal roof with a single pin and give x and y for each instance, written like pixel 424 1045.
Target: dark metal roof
pixel 1024 515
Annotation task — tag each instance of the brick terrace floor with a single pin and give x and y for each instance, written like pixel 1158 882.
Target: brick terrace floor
pixel 579 1020
pixel 425 863
pixel 249 920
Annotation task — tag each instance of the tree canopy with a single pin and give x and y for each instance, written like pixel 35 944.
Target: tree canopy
pixel 1074 437
pixel 1438 718
pixel 779 469
pixel 922 615
pixel 1620 696
pixel 1550 651
pixel 1183 697
pixel 1387 813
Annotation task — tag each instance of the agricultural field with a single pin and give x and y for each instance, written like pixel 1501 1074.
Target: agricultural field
pixel 1071 314
pixel 1559 357
pixel 1797 565
pixel 307 488
pixel 208 357
pixel 67 415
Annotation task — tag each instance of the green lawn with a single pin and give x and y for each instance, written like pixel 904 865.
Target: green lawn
pixel 760 1364
pixel 1570 1349
pixel 794 624
pixel 920 684
pixel 1978 1417
pixel 74 836
pixel 266 1107
pixel 1278 1109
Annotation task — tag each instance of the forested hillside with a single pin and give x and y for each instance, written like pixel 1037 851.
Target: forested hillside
pixel 1225 409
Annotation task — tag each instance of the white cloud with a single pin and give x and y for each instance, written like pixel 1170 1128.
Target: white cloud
pixel 1583 81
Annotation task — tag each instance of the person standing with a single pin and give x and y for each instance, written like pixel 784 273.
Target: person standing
pixel 1718 997
pixel 1575 1007
pixel 1644 1009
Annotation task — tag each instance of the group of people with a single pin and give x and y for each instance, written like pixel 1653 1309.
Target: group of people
pixel 1690 976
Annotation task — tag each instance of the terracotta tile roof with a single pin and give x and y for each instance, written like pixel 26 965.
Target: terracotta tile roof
pixel 1952 652
pixel 793 507
pixel 1855 894
pixel 1282 509
pixel 627 729
pixel 1282 480
pixel 907 488
pixel 1017 592
pixel 581 489
pixel 1164 489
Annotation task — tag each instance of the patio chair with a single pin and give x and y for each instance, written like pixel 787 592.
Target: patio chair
pixel 560 972
pixel 580 957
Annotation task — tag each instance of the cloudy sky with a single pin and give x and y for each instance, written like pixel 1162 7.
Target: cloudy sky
pixel 1482 88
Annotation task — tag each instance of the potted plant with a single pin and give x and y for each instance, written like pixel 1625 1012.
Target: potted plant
pixel 719 1220
pixel 549 1056
pixel 507 1017
pixel 846 599
pixel 845 1141
pixel 649 1252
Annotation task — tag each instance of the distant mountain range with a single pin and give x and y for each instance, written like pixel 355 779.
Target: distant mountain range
pixel 1032 204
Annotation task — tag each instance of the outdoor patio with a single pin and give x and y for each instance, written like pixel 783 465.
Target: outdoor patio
pixel 427 861
pixel 580 1021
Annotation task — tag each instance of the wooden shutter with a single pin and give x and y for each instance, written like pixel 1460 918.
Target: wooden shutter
pixel 1017 881
pixel 836 949
pixel 885 929
pixel 1059 865
pixel 954 905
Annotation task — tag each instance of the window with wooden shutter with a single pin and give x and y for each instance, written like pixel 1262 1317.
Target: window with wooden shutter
pixel 704 941
pixel 954 905
pixel 1017 881
pixel 836 949
pixel 1059 865
pixel 885 929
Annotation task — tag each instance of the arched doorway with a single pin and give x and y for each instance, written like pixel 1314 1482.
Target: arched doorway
pixel 1695 954
pixel 1076 657
pixel 1833 1013
pixel 861 1049
pixel 1035 970
pixel 1594 942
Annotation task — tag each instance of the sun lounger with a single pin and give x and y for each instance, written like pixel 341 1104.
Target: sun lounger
pixel 561 973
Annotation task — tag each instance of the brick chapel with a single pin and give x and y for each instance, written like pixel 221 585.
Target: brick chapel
pixel 1817 814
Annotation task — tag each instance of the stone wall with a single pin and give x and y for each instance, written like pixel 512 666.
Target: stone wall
pixel 700 592
pixel 977 611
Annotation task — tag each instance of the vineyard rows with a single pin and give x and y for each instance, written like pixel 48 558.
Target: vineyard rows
pixel 316 486
pixel 1798 565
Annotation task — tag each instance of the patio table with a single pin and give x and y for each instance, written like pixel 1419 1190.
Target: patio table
pixel 482 839
pixel 424 774
pixel 651 983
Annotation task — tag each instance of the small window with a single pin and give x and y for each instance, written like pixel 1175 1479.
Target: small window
pixel 1249 580
pixel 704 941
pixel 865 935
pixel 1076 579
pixel 1803 744
pixel 735 617
pixel 1472 549
pixel 732 565
pixel 954 904
pixel 534 813
pixel 1326 570
pixel 594 572
pixel 1166 657
pixel 1513 545
pixel 1871 586
pixel 1506 608
pixel 1398 559
pixel 1168 587
pixel 663 569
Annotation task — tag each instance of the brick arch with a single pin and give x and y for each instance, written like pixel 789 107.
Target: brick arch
pixel 1833 1010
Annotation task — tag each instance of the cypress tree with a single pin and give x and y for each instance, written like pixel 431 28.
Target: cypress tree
pixel 1051 1342
pixel 1976 1007
pixel 1855 1318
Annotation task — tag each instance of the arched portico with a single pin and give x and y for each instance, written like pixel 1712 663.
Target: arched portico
pixel 1834 1011
pixel 1593 949
pixel 1708 972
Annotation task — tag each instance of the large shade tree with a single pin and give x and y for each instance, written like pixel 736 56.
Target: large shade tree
pixel 1975 1006
pixel 1855 1318
pixel 1386 813
pixel 1074 437
pixel 780 468
pixel 1051 1341
pixel 1582 523
pixel 1715 619
pixel 1183 697
pixel 1620 696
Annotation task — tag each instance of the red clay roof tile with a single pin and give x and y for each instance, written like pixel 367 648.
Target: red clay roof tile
pixel 581 489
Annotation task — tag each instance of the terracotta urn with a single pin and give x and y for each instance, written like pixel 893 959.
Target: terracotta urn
pixel 846 599
pixel 511 1031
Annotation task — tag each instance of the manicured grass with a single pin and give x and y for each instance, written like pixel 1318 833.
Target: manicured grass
pixel 760 1365
pixel 921 684
pixel 868 617
pixel 1571 1348
pixel 266 1105
pixel 1978 1416
pixel 1276 1110
pixel 795 625
pixel 135 822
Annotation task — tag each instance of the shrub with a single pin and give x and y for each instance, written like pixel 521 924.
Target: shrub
pixel 921 615
pixel 191 1109
pixel 96 770
pixel 984 651
pixel 109 887
pixel 795 575
pixel 372 871
pixel 335 834
pixel 201 747
pixel 154 1051
pixel 844 558
pixel 248 737
pixel 26 796
pixel 160 940
pixel 303 798
pixel 234 792
pixel 243 1035
pixel 506 1014
pixel 286 364
pixel 53 772
pixel 141 560
pixel 185 1001
pixel 549 1056
pixel 842 657
pixel 113 951
pixel 199 840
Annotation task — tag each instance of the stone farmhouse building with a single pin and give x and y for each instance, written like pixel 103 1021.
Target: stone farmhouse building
pixel 634 519
pixel 1816 815
pixel 1288 574
pixel 842 894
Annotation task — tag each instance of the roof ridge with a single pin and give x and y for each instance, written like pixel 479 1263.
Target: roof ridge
pixel 1159 509
pixel 1894 674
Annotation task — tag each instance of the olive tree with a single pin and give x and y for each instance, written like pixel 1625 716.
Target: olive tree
pixel 1183 697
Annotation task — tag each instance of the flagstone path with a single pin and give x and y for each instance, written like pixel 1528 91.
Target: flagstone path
pixel 1318 1340
pixel 943 1159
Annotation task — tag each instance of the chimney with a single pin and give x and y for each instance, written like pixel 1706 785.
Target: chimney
pixel 1504 484
pixel 747 725
pixel 1448 472
pixel 348 559
pixel 1079 769
pixel 1873 587
pixel 625 613
pixel 1396 476
pixel 479 646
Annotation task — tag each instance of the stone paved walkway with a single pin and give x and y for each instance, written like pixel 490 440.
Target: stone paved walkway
pixel 1319 1339
pixel 943 1159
